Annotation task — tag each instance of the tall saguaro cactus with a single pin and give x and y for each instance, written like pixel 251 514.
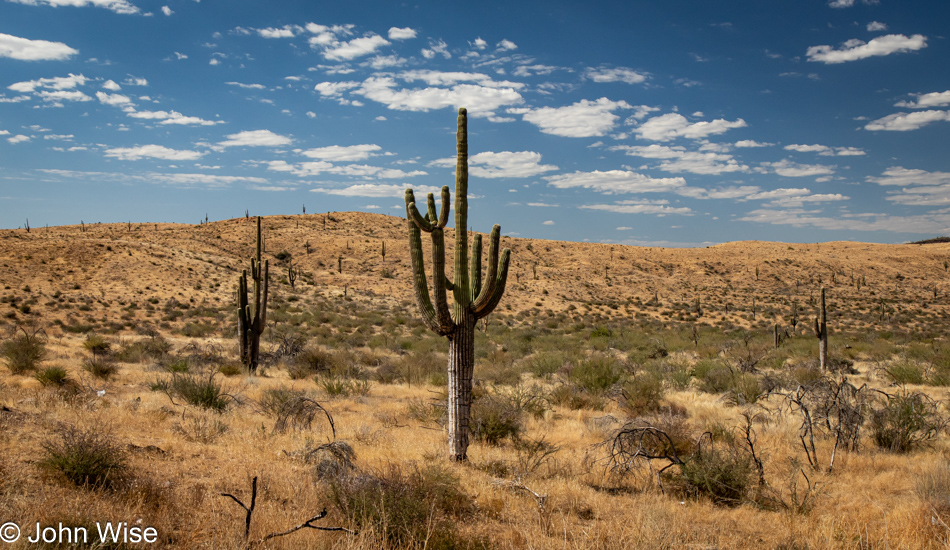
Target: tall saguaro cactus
pixel 821 332
pixel 474 297
pixel 251 321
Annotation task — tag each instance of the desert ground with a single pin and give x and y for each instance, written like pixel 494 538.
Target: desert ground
pixel 625 396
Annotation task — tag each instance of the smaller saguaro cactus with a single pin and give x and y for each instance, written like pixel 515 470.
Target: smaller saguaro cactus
pixel 27 225
pixel 292 273
pixel 383 252
pixel 821 331
pixel 339 264
pixel 251 321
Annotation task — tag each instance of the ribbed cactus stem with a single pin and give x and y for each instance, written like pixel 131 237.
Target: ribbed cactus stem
pixel 821 332
pixel 474 296
pixel 251 322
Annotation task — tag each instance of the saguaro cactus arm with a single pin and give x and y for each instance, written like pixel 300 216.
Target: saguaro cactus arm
pixel 436 316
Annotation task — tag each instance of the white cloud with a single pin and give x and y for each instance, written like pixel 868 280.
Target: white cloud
pixel 615 181
pixel 504 164
pixel 118 6
pixel 247 86
pixel 791 169
pixel 378 190
pixel 255 138
pixel 678 159
pixel 898 175
pixel 479 44
pixel 619 74
pixel 19 138
pixel 55 83
pixel 180 179
pixel 640 207
pixel 152 151
pixel 855 49
pixel 903 122
pixel 932 224
pixel 287 31
pixel 171 118
pixel 506 45
pixel 352 49
pixel 406 33
pixel 436 47
pixel 582 119
pixel 673 125
pixel 479 99
pixel 113 99
pixel 111 85
pixel 383 61
pixel 825 151
pixel 876 26
pixel 334 89
pixel 549 222
pixel 752 143
pixel 167 11
pixel 337 153
pixel 63 95
pixel 922 101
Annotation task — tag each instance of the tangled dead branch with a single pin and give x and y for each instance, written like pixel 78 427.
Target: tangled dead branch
pixel 299 413
pixel 249 512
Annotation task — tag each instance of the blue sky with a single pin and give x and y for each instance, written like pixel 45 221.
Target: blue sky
pixel 665 124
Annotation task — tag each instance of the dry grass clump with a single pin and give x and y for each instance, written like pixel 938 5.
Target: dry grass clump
pixel 86 457
pixel 24 352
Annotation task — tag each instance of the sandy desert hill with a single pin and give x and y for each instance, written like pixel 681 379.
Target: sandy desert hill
pixel 102 266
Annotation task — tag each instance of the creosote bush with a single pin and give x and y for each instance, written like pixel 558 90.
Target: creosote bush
pixel 23 353
pixel 85 457
pixel 405 508
pixel 195 389
pixel 905 421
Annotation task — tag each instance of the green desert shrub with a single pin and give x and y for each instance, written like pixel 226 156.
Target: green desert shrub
pixel 85 457
pixel 496 418
pixel 53 376
pixel 905 421
pixel 596 373
pixel 722 475
pixel 413 508
pixel 195 389
pixel 24 353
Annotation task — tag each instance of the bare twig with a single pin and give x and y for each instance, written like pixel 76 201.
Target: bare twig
pixel 250 509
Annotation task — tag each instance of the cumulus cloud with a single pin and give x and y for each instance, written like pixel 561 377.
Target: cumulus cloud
pixel 582 119
pixel 506 45
pixel 615 182
pixel 55 83
pixel 825 151
pixel 25 49
pixel 903 122
pixel 111 85
pixel 113 99
pixel 618 74
pixel 358 47
pixel 856 49
pixel 923 101
pixel 932 224
pixel 255 138
pixel 287 31
pixel 678 159
pixel 167 11
pixel 876 26
pixel 503 164
pixel 19 138
pixel 436 47
pixel 170 118
pixel 481 99
pixel 337 153
pixel 746 143
pixel 673 125
pixel 118 6
pixel 152 151
pixel 177 178
pixel 660 207
pixel 791 169
pixel 898 175
pixel 378 190
pixel 62 95
pixel 406 33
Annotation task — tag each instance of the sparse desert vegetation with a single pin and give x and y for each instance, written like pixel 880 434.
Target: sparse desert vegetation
pixel 622 397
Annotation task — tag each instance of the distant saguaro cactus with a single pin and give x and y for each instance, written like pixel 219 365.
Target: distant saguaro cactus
pixel 821 331
pixel 251 322
pixel 473 300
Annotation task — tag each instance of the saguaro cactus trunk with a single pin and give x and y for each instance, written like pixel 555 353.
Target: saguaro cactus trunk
pixel 473 300
pixel 251 322
pixel 821 332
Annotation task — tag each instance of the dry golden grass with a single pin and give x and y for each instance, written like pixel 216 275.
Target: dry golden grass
pixel 182 458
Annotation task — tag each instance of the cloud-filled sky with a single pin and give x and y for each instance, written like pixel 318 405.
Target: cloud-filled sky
pixel 681 123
